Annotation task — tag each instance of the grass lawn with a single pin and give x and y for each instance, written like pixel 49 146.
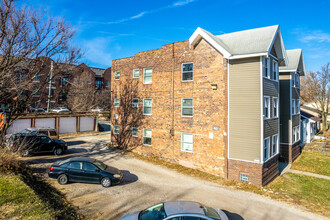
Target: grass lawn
pixel 312 193
pixel 314 162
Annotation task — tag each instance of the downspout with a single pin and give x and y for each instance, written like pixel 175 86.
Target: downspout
pixel 173 65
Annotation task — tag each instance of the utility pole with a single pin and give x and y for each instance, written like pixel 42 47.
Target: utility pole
pixel 50 85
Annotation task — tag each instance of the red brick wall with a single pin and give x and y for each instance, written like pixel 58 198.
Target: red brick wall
pixel 209 106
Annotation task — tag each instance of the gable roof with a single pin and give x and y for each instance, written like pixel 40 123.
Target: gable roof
pixel 305 114
pixel 295 62
pixel 248 43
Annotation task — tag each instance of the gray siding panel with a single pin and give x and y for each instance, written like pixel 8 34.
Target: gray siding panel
pixel 284 110
pixel 270 127
pixel 271 88
pixel 295 120
pixel 295 93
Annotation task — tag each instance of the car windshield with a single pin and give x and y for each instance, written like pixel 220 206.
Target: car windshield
pixel 211 212
pixel 100 165
pixel 156 212
pixel 27 131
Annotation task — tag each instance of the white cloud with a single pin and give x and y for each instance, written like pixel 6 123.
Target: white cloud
pixel 318 36
pixel 141 14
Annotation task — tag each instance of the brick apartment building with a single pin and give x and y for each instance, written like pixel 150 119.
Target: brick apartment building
pixel 57 89
pixel 210 103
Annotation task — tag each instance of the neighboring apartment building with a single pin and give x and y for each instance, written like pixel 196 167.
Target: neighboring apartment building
pixel 211 103
pixel 290 105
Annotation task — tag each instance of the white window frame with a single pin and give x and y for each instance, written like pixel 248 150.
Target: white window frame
pixel 276 147
pixel 182 143
pixel 138 72
pixel 144 69
pixel 294 137
pixel 296 131
pixel 293 106
pixel 133 104
pixel 114 102
pixel 187 71
pixel 275 98
pixel 266 156
pixel 298 106
pixel 192 107
pixel 147 137
pixel 275 70
pixel 137 132
pixel 148 106
pixel 114 129
pixel 115 75
pixel 266 97
pixel 266 64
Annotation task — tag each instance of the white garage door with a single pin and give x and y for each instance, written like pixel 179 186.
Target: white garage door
pixel 68 125
pixel 19 125
pixel 45 123
pixel 86 124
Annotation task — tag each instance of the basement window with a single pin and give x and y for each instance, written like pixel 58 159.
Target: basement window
pixel 187 72
pixel 244 178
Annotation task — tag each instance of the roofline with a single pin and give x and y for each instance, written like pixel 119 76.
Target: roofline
pixel 249 55
pixel 278 32
pixel 283 71
pixel 200 33
pixel 307 118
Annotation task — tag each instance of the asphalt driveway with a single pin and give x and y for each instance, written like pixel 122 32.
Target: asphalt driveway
pixel 146 184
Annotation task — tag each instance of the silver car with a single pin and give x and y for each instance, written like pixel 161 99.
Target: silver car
pixel 177 210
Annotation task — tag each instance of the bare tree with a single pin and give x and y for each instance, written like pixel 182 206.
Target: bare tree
pixel 126 113
pixel 103 99
pixel 81 94
pixel 315 90
pixel 29 41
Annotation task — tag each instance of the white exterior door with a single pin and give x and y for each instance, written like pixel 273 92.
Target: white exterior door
pixel 19 125
pixel 86 123
pixel 45 123
pixel 68 125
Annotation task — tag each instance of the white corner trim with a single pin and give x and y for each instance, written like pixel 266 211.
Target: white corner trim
pixel 200 33
pixel 261 113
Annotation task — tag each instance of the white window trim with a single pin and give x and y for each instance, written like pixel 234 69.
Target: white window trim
pixel 276 144
pixel 151 75
pixel 114 102
pixel 293 80
pixel 293 107
pixel 298 106
pixel 143 107
pixel 265 118
pixel 134 77
pixel 134 103
pixel 182 72
pixel 275 66
pixel 137 132
pixel 143 137
pixel 296 130
pixel 187 142
pixel 188 116
pixel 114 76
pixel 276 107
pixel 114 130
pixel 268 151
pixel 268 67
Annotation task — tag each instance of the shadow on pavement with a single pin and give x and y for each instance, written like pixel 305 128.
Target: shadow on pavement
pixel 233 216
pixel 128 177
pixel 70 143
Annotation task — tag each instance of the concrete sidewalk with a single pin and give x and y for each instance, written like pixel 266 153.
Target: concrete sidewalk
pixel 308 174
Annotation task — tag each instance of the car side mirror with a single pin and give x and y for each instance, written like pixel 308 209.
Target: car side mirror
pixel 97 170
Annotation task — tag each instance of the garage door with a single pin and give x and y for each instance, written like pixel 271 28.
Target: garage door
pixel 19 125
pixel 45 123
pixel 68 125
pixel 86 124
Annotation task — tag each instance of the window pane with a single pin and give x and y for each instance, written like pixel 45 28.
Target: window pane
pixel 187 111
pixel 147 140
pixel 147 79
pixel 147 110
pixel 187 138
pixel 187 102
pixel 134 131
pixel 187 147
pixel 187 67
pixel 187 76
pixel 75 165
pixel 147 133
pixel 136 73
pixel 148 102
pixel 90 167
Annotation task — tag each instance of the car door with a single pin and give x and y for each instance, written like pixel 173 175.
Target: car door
pixel 75 172
pixel 46 144
pixel 92 173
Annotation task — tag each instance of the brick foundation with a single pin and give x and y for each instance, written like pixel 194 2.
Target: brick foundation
pixel 289 153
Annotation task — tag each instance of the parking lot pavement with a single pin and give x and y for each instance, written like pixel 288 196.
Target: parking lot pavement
pixel 146 184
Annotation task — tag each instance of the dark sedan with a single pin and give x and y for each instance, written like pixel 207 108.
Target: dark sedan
pixel 84 170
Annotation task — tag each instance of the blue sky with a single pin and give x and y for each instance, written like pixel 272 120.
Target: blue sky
pixel 108 29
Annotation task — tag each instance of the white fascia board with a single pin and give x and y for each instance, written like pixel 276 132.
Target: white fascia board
pixel 248 55
pixel 283 71
pixel 200 33
pixel 303 61
pixel 278 32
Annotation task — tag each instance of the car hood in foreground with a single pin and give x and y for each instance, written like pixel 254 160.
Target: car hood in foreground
pixel 59 141
pixel 133 216
pixel 112 170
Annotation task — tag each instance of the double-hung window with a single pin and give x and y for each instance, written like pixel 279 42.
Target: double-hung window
pixel 297 80
pixel 134 132
pixel 294 137
pixel 293 107
pixel 275 72
pixel 135 103
pixel 147 75
pixel 274 144
pixel 266 148
pixel 297 106
pixel 266 107
pixel 187 72
pixel 275 107
pixel 116 129
pixel 265 66
pixel 187 107
pixel 147 136
pixel 116 102
pixel 136 73
pixel 117 75
pixel 186 142
pixel 294 80
pixel 147 106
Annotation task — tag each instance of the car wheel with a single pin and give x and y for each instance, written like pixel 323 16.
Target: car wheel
pixel 106 182
pixel 58 151
pixel 62 179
